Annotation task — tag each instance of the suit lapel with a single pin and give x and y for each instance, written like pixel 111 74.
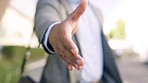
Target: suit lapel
pixel 66 6
pixel 110 73
pixel 98 14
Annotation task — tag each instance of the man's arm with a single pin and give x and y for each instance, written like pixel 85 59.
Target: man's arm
pixel 46 14
pixel 60 36
pixel 48 48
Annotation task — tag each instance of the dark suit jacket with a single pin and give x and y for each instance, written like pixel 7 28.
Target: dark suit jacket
pixel 55 71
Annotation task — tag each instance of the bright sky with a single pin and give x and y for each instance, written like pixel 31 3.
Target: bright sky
pixel 135 15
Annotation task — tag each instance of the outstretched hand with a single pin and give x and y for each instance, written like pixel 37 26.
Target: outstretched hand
pixel 60 38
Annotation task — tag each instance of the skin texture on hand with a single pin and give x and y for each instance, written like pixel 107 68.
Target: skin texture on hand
pixel 61 34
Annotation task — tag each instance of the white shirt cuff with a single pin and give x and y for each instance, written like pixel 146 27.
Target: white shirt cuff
pixel 46 37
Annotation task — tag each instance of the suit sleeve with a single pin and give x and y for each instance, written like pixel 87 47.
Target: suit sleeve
pixel 48 48
pixel 46 14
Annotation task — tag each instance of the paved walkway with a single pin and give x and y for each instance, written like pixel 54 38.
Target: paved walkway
pixel 132 70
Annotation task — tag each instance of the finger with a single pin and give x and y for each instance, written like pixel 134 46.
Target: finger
pixel 73 50
pixel 78 67
pixel 71 63
pixel 74 16
pixel 71 59
pixel 70 67
pixel 70 45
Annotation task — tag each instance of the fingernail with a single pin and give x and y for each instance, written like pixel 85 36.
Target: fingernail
pixel 80 67
pixel 72 68
pixel 78 61
pixel 76 66
pixel 69 68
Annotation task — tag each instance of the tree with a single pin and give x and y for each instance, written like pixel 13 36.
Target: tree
pixel 118 32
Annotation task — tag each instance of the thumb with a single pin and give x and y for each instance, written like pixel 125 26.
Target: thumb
pixel 75 15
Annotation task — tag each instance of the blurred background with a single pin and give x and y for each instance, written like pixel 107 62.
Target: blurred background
pixel 125 26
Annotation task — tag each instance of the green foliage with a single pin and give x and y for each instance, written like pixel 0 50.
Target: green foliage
pixel 9 71
pixel 11 60
pixel 118 32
